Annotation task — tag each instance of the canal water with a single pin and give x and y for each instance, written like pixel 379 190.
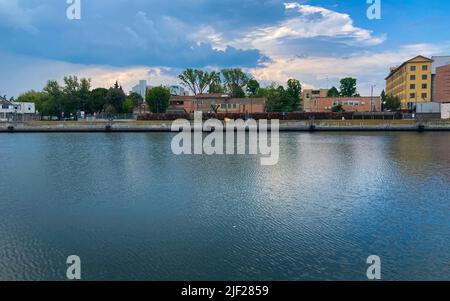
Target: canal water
pixel 131 210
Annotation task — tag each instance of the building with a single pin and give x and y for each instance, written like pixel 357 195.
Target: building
pixel 438 61
pixel 411 82
pixel 309 94
pixel 442 84
pixel 445 110
pixel 141 88
pixel 8 109
pixel 349 104
pixel 177 91
pixel 218 103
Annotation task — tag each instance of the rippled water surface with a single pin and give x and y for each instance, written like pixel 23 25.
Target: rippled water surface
pixel 134 211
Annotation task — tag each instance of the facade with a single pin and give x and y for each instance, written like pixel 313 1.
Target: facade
pixel 442 84
pixel 445 110
pixel 219 103
pixel 141 88
pixel 438 61
pixel 349 104
pixel 310 94
pixel 411 82
pixel 8 109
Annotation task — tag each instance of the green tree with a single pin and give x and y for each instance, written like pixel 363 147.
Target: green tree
pixel 333 92
pixel 348 87
pixel 158 99
pixel 235 80
pixel 128 105
pixel 252 87
pixel 136 98
pixel 215 85
pixel 32 96
pixel 392 103
pixel 337 108
pixel 97 100
pixel 53 99
pixel 116 97
pixel 294 92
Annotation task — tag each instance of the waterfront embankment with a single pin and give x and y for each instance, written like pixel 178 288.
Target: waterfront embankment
pixel 165 126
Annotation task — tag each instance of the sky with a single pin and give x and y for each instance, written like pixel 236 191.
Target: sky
pixel 316 42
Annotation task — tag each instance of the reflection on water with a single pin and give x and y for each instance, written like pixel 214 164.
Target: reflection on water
pixel 132 210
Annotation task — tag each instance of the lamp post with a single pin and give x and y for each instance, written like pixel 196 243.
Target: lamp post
pixel 372 106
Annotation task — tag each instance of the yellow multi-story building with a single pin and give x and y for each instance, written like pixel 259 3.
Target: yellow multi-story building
pixel 411 82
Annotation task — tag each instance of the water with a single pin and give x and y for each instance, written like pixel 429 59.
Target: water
pixel 133 211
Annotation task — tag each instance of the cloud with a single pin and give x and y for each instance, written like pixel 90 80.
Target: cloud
pixel 369 67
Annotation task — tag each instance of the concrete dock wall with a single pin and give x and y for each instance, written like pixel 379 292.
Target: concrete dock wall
pixel 165 126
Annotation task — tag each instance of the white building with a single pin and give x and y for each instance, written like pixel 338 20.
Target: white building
pixel 7 108
pixel 141 88
pixel 178 91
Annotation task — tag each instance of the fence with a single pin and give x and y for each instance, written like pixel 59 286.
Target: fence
pixel 280 116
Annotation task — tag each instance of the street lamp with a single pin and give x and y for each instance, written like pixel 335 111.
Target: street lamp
pixel 372 106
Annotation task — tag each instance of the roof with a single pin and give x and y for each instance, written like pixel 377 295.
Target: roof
pixel 4 101
pixel 414 59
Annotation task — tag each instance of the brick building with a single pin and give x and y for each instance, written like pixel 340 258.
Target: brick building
pixel 442 84
pixel 220 103
pixel 349 104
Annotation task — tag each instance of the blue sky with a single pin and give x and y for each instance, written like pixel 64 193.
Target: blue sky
pixel 317 42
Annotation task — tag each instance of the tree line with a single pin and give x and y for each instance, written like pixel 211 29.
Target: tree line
pixel 76 95
pixel 239 84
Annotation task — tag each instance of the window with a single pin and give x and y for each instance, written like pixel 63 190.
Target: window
pixel 234 106
pixel 5 107
pixel 424 86
pixel 412 95
pixel 412 77
pixel 412 86
pixel 424 77
pixel 424 67
pixel 424 95
pixel 413 68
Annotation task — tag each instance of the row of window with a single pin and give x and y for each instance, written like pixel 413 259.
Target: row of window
pixel 413 77
pixel 349 103
pixel 424 68
pixel 413 86
pixel 228 106
pixel 413 95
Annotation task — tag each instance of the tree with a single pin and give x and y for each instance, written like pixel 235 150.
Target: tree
pixel 333 92
pixel 32 96
pixel 235 80
pixel 128 106
pixel 337 108
pixel 189 79
pixel 294 91
pixel 215 85
pixel 383 96
pixel 252 87
pixel 136 98
pixel 392 103
pixel 97 100
pixel 198 81
pixel 116 97
pixel 53 103
pixel 348 87
pixel 158 99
